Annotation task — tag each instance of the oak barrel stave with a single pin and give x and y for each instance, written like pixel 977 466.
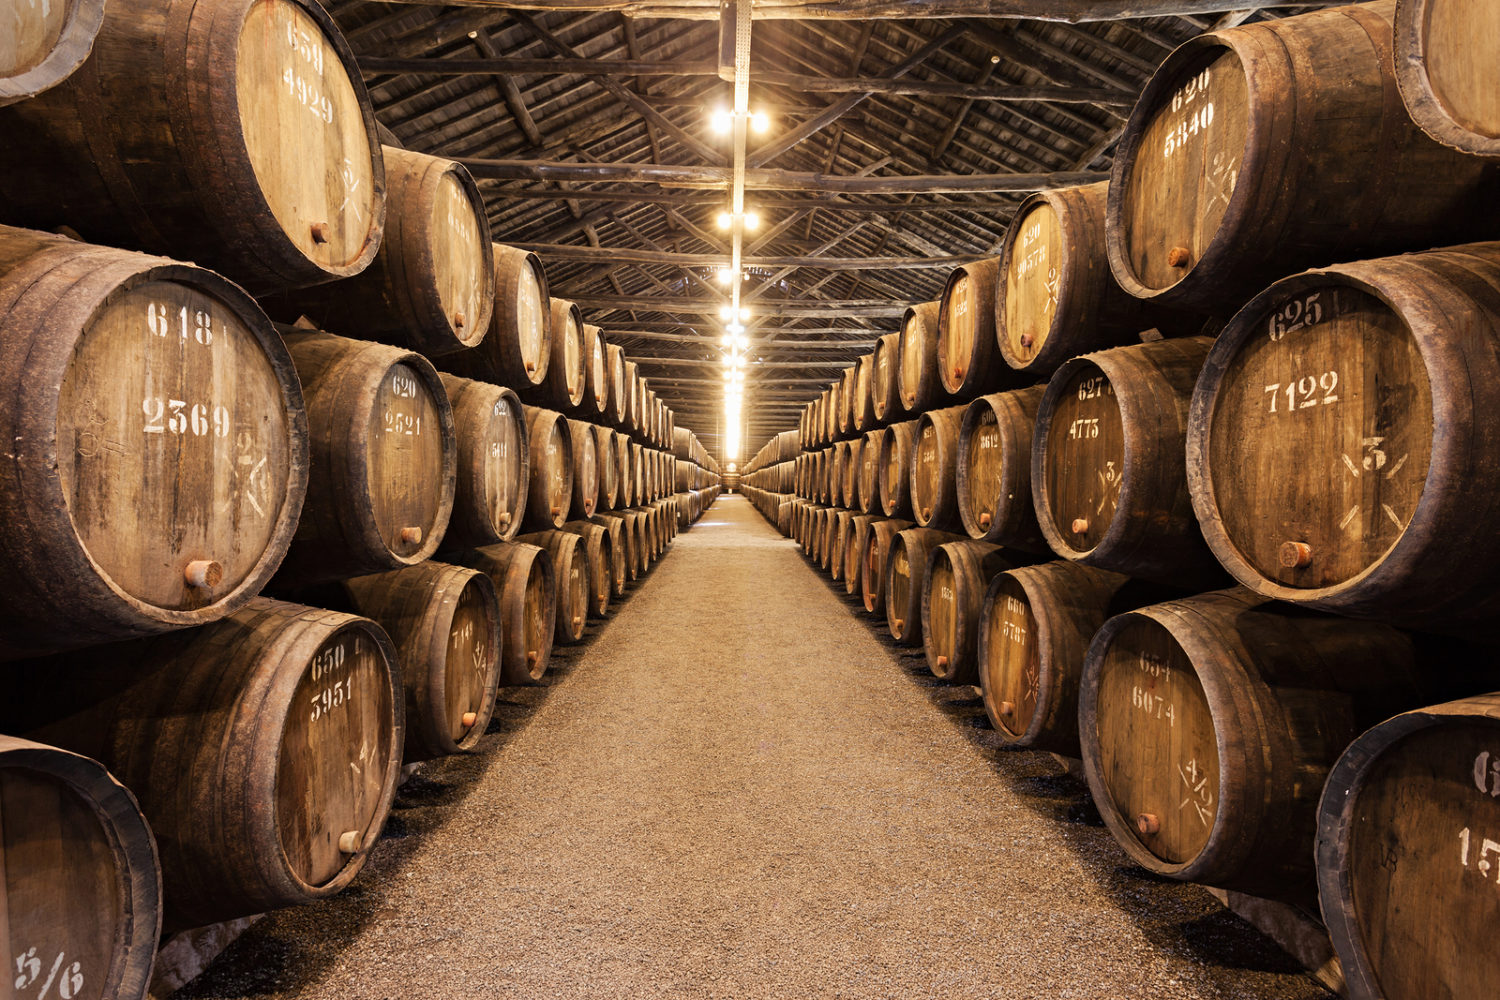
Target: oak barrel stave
pixel 993 474
pixel 524 584
pixel 493 465
pixel 906 561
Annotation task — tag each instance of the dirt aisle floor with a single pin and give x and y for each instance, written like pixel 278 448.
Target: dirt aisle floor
pixel 739 789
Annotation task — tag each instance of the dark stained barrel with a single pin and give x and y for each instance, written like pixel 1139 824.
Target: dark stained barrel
pixel 585 467
pixel 549 442
pixel 173 138
pixel 1448 66
pixel 917 378
pixel 493 465
pixel 905 572
pixel 1341 442
pixel 894 473
pixel 843 528
pixel 81 878
pixel 1210 724
pixel 517 350
pixel 431 286
pixel 631 421
pixel 1406 853
pixel 885 385
pixel 570 574
pixel 384 458
pixel 1257 151
pixel 523 579
pixel 1056 297
pixel 967 354
pixel 445 623
pixel 45 45
pixel 994 469
pixel 158 458
pixel 1108 474
pixel 934 468
pixel 606 572
pixel 1034 629
pixel 264 749
pixel 625 492
pixel 958 575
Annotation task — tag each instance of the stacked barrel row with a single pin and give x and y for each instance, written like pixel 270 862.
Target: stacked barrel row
pixel 315 547
pixel 697 477
pixel 1323 439
pixel 769 479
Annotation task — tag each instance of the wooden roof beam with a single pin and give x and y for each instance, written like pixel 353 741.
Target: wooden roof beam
pixel 1073 11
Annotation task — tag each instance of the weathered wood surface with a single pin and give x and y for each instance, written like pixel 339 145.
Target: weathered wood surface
pixel 1340 444
pixel 264 749
pixel 605 569
pixel 1108 471
pixel 172 138
pixel 445 624
pixel 862 10
pixel 45 44
pixel 993 484
pixel 384 458
pixel 906 561
pixel 1210 724
pixel 550 452
pixel 159 445
pixel 80 886
pixel 934 468
pixel 1406 854
pixel 1221 187
pixel 493 463
pixel 596 374
pixel 431 286
pixel 570 575
pixel 1448 65
pixel 885 390
pixel 894 473
pixel 1034 629
pixel 524 583
pixel 917 377
pixel 517 350
pixel 953 587
pixel 967 354
pixel 585 449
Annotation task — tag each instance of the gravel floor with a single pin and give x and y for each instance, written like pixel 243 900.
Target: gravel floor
pixel 737 789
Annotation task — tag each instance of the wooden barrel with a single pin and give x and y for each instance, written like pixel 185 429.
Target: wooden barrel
pixel 605 572
pixel 431 286
pixel 852 470
pixel 524 582
pixel 156 469
pixel 173 138
pixel 1406 853
pixel 863 404
pixel 632 397
pixel 1210 724
pixel 82 896
pixel 595 405
pixel 813 539
pixel 626 542
pixel 845 422
pixel 917 378
pixel 619 396
pixel 958 575
pixel 1386 388
pixel 517 349
pixel 993 477
pixel 625 490
pixel 967 353
pixel 645 544
pixel 1445 57
pixel 619 556
pixel 550 479
pixel 894 472
pixel 570 574
pixel 1034 629
pixel 1252 155
pixel 609 466
pixel 493 466
pixel 384 458
pixel 885 388
pixel 445 623
pixel 869 471
pixel 565 383
pixel 1108 475
pixel 638 473
pixel 934 468
pixel 843 527
pixel 856 544
pixel 905 573
pixel 1056 297
pixel 585 467
pixel 806 535
pixel 264 749
pixel 45 45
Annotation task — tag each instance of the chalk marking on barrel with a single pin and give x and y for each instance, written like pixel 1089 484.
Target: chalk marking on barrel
pixel 1353 512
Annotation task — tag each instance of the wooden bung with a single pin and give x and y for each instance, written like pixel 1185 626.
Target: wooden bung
pixel 523 579
pixel 1257 151
pixel 158 456
pixel 445 623
pixel 431 286
pixel 226 194
pixel 384 459
pixel 953 588
pixel 82 882
pixel 1234 695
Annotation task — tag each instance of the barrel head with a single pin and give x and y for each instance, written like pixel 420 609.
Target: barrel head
pixel 1083 460
pixel 1034 264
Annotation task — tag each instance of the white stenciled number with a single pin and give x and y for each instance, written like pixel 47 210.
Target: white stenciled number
pixel 1086 427
pixel 67 977
pixel 1305 392
pixel 177 416
pixel 1295 315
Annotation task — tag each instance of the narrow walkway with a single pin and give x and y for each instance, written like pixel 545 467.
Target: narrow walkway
pixel 739 790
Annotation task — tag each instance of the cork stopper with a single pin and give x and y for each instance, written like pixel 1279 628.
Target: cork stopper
pixel 1294 555
pixel 350 842
pixel 203 574
pixel 1080 525
pixel 1148 824
pixel 1178 257
pixel 319 232
pixel 411 536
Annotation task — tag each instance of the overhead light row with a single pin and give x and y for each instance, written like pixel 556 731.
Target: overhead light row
pixel 722 120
